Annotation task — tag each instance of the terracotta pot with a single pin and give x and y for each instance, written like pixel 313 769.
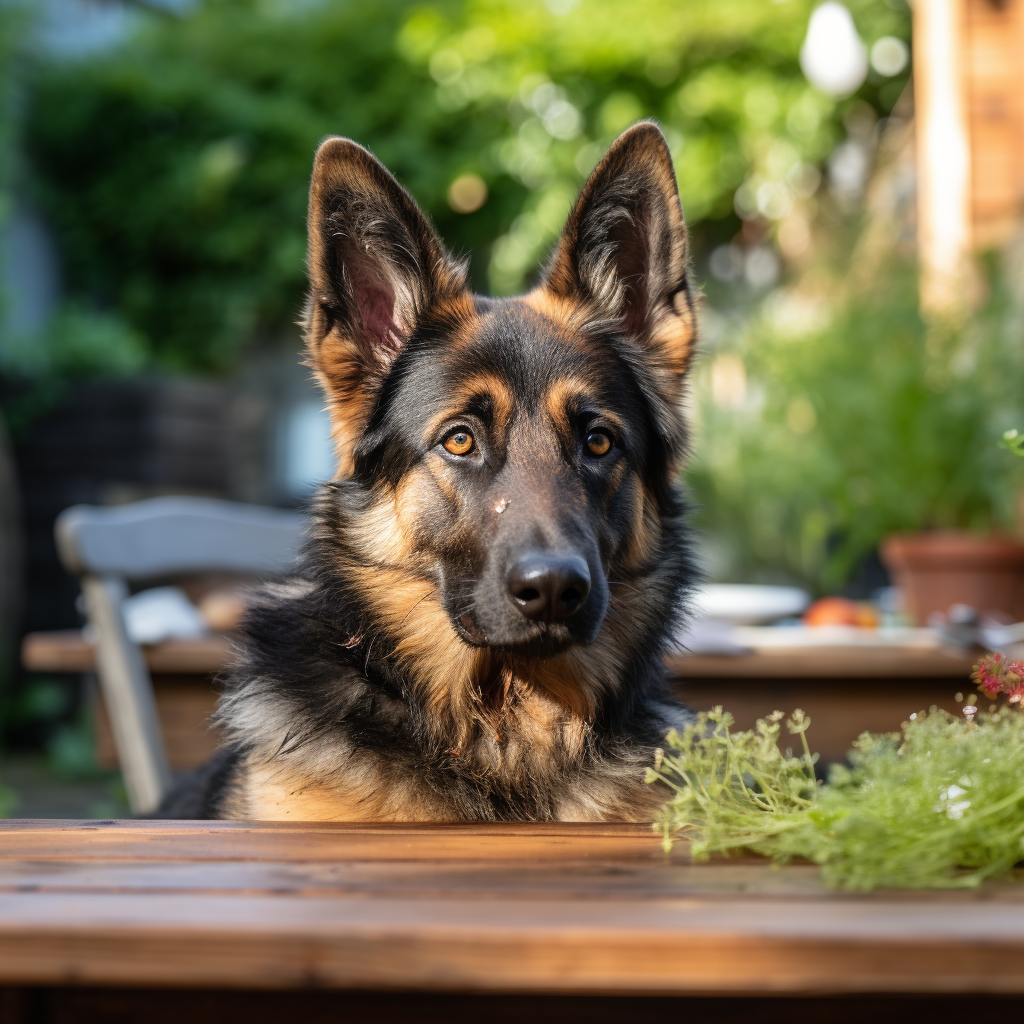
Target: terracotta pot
pixel 941 568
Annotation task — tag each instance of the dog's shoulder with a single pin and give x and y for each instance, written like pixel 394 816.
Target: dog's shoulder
pixel 203 793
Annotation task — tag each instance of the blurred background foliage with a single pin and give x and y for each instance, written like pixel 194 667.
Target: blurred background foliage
pixel 172 169
pixel 837 414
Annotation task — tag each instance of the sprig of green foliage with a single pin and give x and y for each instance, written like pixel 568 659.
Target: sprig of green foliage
pixel 938 805
pixel 732 789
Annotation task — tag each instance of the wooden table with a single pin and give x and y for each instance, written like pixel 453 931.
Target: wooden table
pixel 102 910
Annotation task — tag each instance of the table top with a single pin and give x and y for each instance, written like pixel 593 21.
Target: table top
pixel 469 907
pixel 71 651
pixel 861 662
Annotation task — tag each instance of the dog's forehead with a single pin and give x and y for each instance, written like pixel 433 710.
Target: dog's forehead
pixel 526 350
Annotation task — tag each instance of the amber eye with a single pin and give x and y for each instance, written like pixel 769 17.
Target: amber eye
pixel 459 443
pixel 598 443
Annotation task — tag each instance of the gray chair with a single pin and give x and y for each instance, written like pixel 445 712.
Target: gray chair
pixel 160 537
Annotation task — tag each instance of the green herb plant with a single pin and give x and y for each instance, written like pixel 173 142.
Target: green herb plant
pixel 733 789
pixel 938 805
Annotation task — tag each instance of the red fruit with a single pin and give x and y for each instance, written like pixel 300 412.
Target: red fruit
pixel 839 611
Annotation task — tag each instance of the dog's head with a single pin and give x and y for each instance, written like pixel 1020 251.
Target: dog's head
pixel 515 457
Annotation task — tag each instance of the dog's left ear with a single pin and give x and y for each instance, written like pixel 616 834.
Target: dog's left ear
pixel 377 272
pixel 623 251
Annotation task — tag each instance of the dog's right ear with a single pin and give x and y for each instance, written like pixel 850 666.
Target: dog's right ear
pixel 376 269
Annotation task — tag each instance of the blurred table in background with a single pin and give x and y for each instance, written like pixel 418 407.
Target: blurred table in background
pixel 184 673
pixel 845 690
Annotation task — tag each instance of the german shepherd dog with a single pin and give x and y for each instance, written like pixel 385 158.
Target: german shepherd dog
pixel 479 626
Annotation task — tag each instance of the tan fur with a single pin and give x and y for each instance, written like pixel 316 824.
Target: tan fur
pixel 561 396
pixel 273 793
pixel 349 401
pixel 286 789
pixel 450 675
pixel 643 540
pixel 477 386
pixel 563 310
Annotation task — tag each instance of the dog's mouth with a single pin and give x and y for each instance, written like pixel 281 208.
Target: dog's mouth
pixel 540 640
pixel 537 605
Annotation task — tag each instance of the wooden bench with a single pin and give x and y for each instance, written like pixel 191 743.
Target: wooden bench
pixel 532 912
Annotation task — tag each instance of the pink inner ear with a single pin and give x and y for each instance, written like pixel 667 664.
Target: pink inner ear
pixel 376 312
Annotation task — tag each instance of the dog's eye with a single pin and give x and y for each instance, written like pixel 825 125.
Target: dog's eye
pixel 598 443
pixel 459 443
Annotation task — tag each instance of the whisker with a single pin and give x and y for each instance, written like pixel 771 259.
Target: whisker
pixel 623 583
pixel 369 650
pixel 414 607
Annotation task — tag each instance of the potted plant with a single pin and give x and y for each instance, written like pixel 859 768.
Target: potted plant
pixel 861 422
pixel 940 568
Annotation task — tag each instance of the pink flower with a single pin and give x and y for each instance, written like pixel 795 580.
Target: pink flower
pixel 988 675
pixel 994 675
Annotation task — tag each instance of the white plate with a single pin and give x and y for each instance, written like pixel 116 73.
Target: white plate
pixel 760 638
pixel 748 604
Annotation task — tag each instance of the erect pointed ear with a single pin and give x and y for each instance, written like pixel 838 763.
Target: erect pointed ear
pixel 623 251
pixel 377 270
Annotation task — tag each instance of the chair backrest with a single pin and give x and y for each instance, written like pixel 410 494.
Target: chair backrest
pixel 168 536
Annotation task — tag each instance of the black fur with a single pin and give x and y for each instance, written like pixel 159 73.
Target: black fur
pixel 540 719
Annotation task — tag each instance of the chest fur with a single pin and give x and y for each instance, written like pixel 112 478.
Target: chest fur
pixel 534 761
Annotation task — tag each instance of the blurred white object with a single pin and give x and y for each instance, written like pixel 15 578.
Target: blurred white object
pixel 833 57
pixel 715 636
pixel 775 637
pixel 889 55
pixel 848 168
pixel 1007 639
pixel 162 613
pixel 709 636
pixel 761 267
pixel 749 603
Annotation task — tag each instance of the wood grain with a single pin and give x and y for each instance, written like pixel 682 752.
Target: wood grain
pixel 685 945
pixel 300 841
pixel 748 878
pixel 477 907
pixel 419 879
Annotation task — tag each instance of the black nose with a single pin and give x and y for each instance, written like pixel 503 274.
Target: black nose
pixel 550 587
